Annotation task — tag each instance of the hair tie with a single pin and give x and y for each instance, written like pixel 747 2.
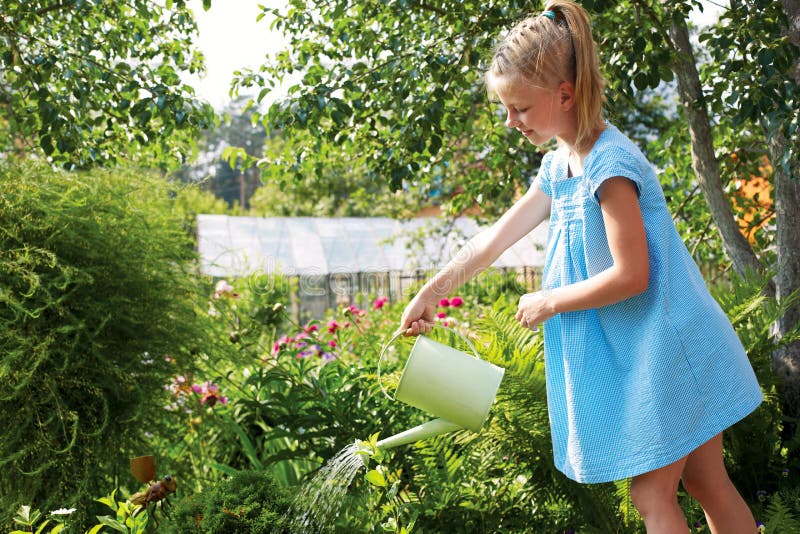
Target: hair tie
pixel 549 14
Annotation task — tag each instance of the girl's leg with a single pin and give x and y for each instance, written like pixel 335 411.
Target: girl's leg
pixel 706 479
pixel 655 496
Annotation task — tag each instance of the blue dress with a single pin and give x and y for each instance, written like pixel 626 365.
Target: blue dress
pixel 635 385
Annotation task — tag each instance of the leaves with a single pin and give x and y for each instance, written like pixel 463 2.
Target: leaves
pixel 90 82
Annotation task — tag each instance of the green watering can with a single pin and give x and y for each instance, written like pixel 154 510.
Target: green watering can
pixel 454 386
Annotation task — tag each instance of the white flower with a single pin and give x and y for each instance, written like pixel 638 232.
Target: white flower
pixel 63 511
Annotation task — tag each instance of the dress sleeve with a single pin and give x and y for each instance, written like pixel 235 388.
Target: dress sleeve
pixel 612 162
pixel 544 179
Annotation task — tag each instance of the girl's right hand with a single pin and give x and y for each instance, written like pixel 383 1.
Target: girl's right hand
pixel 418 317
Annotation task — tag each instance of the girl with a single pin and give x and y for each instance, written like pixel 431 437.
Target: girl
pixel 644 371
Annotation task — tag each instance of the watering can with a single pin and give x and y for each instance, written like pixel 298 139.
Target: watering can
pixel 454 386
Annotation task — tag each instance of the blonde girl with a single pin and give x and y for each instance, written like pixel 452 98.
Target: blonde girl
pixel 644 370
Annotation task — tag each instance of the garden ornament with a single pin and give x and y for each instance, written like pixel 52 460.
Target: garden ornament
pixel 454 386
pixel 144 470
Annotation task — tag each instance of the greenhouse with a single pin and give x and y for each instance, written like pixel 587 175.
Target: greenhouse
pixel 343 260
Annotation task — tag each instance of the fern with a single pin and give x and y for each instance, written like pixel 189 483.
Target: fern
pixel 780 517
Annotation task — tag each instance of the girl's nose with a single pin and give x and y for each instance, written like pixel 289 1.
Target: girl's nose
pixel 511 120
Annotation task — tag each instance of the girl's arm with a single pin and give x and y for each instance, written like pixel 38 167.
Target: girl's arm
pixel 479 253
pixel 628 276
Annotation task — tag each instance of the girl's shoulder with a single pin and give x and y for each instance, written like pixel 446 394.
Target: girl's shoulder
pixel 613 143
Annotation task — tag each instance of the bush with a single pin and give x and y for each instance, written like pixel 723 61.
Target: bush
pixel 249 502
pixel 97 311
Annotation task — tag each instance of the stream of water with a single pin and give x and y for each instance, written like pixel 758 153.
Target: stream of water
pixel 317 504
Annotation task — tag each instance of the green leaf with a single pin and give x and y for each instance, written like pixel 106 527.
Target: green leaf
pixel 375 478
pixel 228 470
pixel 109 521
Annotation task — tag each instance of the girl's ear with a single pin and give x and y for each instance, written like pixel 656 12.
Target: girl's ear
pixel 566 95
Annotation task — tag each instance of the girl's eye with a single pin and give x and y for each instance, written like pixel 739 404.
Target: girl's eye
pixel 520 110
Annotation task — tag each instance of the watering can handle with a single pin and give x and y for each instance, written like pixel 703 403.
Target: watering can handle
pixel 400 333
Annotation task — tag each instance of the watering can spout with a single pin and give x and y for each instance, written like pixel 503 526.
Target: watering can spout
pixel 418 433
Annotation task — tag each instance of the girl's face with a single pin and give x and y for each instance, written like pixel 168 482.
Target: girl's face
pixel 536 112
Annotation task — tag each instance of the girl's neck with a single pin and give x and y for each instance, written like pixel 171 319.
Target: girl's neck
pixel 581 153
pixel 576 156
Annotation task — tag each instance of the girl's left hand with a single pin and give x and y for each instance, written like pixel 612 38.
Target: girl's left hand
pixel 534 309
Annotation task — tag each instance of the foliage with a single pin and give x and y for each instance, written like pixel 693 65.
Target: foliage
pixel 90 82
pixel 342 187
pixel 226 178
pixel 759 459
pixel 397 97
pixel 97 298
pixel 247 502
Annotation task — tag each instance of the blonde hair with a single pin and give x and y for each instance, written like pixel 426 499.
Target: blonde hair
pixel 547 51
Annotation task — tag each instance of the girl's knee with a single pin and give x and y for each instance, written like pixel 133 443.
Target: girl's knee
pixel 652 497
pixel 706 490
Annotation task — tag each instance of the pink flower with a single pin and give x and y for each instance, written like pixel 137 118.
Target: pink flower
pixel 347 324
pixel 224 289
pixel 380 302
pixel 456 302
pixel 333 326
pixel 354 311
pixel 210 392
pixel 444 303
pixel 441 315
pixel 310 328
pixel 332 344
pixel 197 388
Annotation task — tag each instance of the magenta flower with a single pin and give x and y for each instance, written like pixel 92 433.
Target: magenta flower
pixel 210 394
pixel 354 311
pixel 310 328
pixel 441 315
pixel 333 326
pixel 456 302
pixel 380 302
pixel 444 303
pixel 332 344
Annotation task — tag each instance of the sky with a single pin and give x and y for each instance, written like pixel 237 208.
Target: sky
pixel 231 39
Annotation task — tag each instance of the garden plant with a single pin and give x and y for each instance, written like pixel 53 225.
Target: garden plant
pixel 114 344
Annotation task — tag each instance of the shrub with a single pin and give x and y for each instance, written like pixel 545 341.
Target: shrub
pixel 249 502
pixel 96 312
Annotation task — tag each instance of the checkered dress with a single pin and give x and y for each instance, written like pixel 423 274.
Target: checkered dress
pixel 636 385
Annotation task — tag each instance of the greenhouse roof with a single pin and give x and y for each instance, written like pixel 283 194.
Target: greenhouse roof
pixel 237 246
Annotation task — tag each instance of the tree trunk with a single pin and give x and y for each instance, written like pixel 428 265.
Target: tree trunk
pixel 704 161
pixel 787 238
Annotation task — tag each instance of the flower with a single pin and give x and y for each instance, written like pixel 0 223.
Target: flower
pixel 328 356
pixel 210 392
pixel 761 527
pixel 63 511
pixel 224 289
pixel 310 328
pixel 332 344
pixel 333 326
pixel 444 303
pixel 761 495
pixel 441 315
pixel 354 311
pixel 456 302
pixel 380 302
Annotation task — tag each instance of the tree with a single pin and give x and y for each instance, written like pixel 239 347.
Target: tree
pixel 397 85
pixel 227 178
pixel 87 82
